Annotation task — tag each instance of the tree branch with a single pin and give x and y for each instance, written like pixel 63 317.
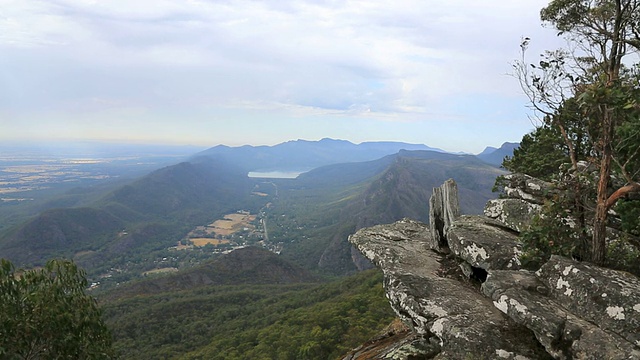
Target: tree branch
pixel 627 189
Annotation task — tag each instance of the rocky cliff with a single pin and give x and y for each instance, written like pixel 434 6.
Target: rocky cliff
pixel 458 287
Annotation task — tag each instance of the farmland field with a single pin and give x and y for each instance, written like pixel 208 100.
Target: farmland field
pixel 160 271
pixel 223 231
pixel 204 241
pixel 232 223
pixel 31 171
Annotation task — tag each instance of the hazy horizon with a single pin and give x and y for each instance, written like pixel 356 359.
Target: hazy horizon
pixel 261 73
pixel 122 145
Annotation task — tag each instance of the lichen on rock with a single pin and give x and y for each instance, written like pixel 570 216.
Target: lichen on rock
pixel 435 306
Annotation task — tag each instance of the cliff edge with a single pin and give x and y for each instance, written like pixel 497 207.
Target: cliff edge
pixel 457 285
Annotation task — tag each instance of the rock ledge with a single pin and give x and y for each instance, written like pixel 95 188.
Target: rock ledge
pixel 488 308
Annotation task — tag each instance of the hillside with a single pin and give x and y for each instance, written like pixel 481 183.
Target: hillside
pixel 315 213
pixel 403 190
pixel 39 176
pixel 250 265
pixel 60 233
pixel 287 321
pixel 151 213
pixel 197 303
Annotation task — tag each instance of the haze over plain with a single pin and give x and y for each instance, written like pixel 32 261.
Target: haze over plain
pixel 246 72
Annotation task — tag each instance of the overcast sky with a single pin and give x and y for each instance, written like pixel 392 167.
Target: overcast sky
pixel 238 72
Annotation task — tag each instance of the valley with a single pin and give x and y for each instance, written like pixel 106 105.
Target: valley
pixel 203 232
pixel 184 214
pixel 240 225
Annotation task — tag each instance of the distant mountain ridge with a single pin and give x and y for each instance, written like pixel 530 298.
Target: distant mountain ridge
pixel 307 155
pixel 495 156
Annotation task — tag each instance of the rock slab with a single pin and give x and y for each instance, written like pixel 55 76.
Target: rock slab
pixel 602 296
pixel 526 300
pixel 484 243
pixel 516 214
pixel 566 310
pixel 451 314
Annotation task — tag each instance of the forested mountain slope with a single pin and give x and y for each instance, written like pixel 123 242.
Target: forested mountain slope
pixel 250 265
pixel 315 214
pixel 152 212
pixel 283 321
pixel 251 301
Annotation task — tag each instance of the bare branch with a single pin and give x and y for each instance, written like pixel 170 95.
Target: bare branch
pixel 623 191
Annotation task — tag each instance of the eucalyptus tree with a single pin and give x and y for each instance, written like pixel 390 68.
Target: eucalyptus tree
pixel 46 314
pixel 597 73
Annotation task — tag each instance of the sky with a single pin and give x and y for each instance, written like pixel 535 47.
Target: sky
pixel 234 72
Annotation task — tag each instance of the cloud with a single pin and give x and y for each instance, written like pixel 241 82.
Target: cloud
pixel 380 59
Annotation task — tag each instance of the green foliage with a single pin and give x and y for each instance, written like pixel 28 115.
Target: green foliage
pixel 303 321
pixel 565 14
pixel 597 95
pixel 557 232
pixel 543 151
pixel 540 154
pixel 45 314
pixel 629 211
pixel 623 256
pixel 545 154
pixel 344 315
pixel 627 148
pixel 551 233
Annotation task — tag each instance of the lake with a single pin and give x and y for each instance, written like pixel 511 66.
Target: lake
pixel 276 174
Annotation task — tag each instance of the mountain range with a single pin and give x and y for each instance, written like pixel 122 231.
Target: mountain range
pixel 287 296
pixel 495 156
pixel 353 191
pixel 306 155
